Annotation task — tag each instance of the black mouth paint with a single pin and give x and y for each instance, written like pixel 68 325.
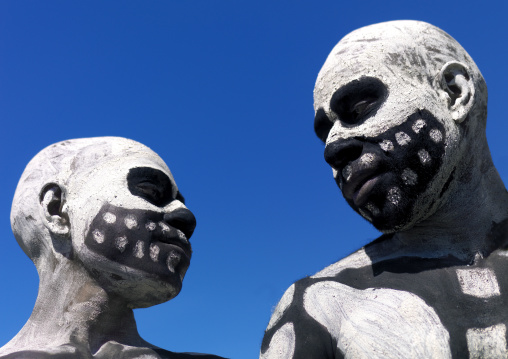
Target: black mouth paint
pixel 406 159
pixel 139 239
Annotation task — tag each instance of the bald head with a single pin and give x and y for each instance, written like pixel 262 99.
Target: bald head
pixel 415 50
pixel 63 165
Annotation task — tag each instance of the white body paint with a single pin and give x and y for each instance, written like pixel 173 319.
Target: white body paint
pixel 87 288
pixel 401 108
pixel 358 259
pixel 282 344
pixel 377 323
pixel 487 343
pixel 284 303
pixel 478 282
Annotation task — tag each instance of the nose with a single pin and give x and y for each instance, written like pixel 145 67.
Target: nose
pixel 182 219
pixel 339 153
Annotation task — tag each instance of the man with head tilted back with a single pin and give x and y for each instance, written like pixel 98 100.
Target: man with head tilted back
pixel 106 226
pixel 402 109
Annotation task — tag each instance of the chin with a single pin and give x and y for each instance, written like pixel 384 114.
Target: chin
pixel 386 216
pixel 139 288
pixel 146 292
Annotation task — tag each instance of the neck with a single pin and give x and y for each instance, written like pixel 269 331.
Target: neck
pixel 466 226
pixel 71 308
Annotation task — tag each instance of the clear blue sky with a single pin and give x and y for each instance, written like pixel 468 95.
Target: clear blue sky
pixel 222 90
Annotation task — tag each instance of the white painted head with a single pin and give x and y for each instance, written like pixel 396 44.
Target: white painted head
pixel 402 109
pixel 111 207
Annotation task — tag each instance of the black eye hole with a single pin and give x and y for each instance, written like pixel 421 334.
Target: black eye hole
pixel 322 124
pixel 358 100
pixel 151 191
pixel 152 185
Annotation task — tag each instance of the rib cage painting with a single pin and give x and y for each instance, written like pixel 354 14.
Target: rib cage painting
pixel 402 109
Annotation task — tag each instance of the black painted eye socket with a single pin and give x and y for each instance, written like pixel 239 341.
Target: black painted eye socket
pixel 358 100
pixel 322 124
pixel 150 191
pixel 152 185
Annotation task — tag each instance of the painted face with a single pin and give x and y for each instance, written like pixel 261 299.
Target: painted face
pixel 381 177
pixel 137 231
pixel 386 136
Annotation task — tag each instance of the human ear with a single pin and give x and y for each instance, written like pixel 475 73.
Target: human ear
pixel 457 89
pixel 54 210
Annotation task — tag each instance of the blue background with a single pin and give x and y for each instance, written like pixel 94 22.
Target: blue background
pixel 221 90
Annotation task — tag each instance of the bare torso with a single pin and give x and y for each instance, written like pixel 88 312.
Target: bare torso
pixel 405 307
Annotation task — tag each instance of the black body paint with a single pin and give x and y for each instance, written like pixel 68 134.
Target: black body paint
pixel 166 238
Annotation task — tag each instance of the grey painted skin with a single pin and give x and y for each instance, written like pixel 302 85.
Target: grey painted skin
pixel 106 227
pixel 402 110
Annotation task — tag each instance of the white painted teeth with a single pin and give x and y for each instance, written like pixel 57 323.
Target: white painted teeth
pixel 409 177
pixel 154 252
pixel 173 260
pixel 130 221
pixel 402 138
pixel 98 236
pixel 346 172
pixel 418 125
pixel 386 145
pixel 436 135
pixel 182 237
pixel 424 157
pixel 121 243
pixel 394 196
pixel 139 249
pixel 109 217
pixel 150 226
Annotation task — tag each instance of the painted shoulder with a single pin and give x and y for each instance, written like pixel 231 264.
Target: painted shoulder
pixel 292 331
pixel 358 259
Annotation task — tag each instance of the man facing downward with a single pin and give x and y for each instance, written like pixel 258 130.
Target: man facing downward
pixel 104 223
pixel 402 109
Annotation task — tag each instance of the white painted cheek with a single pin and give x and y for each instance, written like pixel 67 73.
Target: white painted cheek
pixel 282 345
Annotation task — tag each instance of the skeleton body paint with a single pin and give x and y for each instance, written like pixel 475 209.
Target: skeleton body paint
pixel 401 108
pixel 109 232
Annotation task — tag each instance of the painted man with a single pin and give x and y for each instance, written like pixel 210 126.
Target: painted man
pixel 402 110
pixel 104 223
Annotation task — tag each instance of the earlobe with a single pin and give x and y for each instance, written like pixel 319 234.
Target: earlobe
pixel 457 89
pixel 54 210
